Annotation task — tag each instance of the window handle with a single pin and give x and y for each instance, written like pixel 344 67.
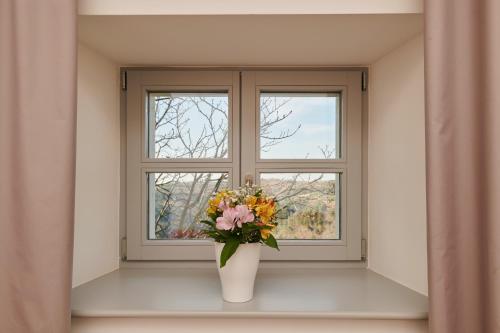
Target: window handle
pixel 248 180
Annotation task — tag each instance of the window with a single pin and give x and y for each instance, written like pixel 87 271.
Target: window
pixel 176 201
pixel 310 202
pixel 299 125
pixel 188 125
pixel 296 133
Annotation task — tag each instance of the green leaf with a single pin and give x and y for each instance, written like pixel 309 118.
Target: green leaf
pixel 223 233
pixel 228 250
pixel 208 222
pixel 247 227
pixel 271 242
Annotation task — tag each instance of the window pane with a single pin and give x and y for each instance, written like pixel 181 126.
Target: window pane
pixel 188 125
pixel 177 201
pixel 309 202
pixel 299 125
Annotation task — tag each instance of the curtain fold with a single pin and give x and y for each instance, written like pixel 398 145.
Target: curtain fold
pixel 37 163
pixel 462 60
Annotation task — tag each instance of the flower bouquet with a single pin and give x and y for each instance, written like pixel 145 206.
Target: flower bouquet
pixel 240 221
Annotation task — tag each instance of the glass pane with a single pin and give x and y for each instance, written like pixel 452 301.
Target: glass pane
pixel 188 125
pixel 177 201
pixel 309 202
pixel 299 125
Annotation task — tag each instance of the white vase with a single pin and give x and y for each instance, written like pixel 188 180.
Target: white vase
pixel 237 277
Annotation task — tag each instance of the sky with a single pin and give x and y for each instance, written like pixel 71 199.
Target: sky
pixel 315 116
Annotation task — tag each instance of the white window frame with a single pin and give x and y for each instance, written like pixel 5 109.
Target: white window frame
pixel 243 155
pixel 139 84
pixel 348 84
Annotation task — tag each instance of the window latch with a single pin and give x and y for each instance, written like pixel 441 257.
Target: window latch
pixel 248 180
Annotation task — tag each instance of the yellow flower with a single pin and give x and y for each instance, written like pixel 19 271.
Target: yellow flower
pixel 213 203
pixel 211 210
pixel 265 211
pixel 251 200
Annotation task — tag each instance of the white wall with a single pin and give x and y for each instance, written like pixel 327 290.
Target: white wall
pixel 396 167
pixel 97 167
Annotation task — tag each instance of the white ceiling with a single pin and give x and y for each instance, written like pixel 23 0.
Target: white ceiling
pixel 247 40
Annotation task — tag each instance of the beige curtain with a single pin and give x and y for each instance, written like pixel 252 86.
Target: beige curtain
pixel 37 163
pixel 462 60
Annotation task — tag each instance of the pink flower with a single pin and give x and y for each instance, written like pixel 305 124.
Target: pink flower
pixel 234 216
pixel 223 205
pixel 244 215
pixel 227 220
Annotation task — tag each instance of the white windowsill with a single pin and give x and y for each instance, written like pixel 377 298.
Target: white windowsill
pixel 279 293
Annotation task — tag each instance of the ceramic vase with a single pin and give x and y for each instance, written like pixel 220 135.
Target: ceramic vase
pixel 237 277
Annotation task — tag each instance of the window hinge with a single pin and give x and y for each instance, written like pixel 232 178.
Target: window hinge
pixel 364 81
pixel 363 249
pixel 123 80
pixel 123 251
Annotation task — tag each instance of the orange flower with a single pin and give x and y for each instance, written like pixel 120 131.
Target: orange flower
pixel 265 211
pixel 264 233
pixel 251 201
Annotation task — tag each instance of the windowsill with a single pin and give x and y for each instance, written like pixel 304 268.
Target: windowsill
pixel 279 293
